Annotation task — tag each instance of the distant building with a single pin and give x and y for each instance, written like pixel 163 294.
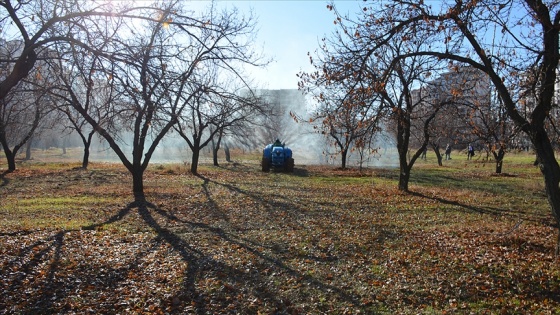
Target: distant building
pixel 460 92
pixel 465 86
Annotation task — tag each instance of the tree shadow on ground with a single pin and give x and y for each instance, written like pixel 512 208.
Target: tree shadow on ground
pixel 3 179
pixel 526 216
pixel 273 204
pixel 36 278
pixel 236 167
pixel 258 281
pixel 240 281
pixel 301 172
pixel 262 279
pixel 38 253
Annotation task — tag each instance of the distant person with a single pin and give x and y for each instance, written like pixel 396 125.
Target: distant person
pixel 470 152
pixel 448 152
pixel 423 156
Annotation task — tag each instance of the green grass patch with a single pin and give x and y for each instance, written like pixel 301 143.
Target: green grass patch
pixel 51 212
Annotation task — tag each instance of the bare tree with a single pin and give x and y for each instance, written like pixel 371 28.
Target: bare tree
pixel 240 128
pixel 23 107
pixel 215 107
pixel 40 23
pixel 82 83
pixel 20 116
pixel 462 98
pixel 374 79
pixel 36 25
pixel 490 125
pixel 154 66
pixel 431 119
pixel 397 94
pixel 504 39
pixel 348 123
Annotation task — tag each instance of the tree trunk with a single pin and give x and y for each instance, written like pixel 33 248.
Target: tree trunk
pixel 404 169
pixel 551 172
pixel 138 184
pixel 85 158
pixel 344 156
pixel 499 157
pixel 403 136
pixel 361 162
pixel 64 140
pixel 11 159
pixel 499 164
pixel 438 155
pixel 10 156
pixel 215 148
pixel 194 160
pixel 215 156
pixel 557 250
pixel 28 149
pixel 226 152
pixel 87 146
pixel 404 178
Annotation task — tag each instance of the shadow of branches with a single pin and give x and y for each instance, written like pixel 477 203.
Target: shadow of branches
pixel 496 211
pixel 208 283
pixel 235 243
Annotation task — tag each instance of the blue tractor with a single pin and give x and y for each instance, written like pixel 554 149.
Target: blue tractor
pixel 278 157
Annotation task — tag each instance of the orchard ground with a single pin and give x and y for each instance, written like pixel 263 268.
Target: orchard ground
pixel 234 240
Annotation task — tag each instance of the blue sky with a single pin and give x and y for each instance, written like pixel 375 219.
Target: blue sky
pixel 287 31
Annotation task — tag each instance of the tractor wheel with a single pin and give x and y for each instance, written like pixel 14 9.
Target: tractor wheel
pixel 290 165
pixel 265 163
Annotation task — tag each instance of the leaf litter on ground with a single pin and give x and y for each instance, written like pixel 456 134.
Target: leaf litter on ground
pixel 322 240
